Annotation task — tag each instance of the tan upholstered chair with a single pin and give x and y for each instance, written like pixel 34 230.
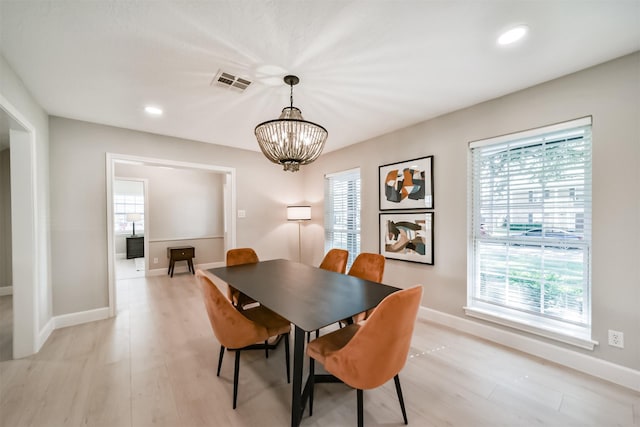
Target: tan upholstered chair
pixel 240 330
pixel 240 256
pixel 335 260
pixel 367 266
pixel 365 356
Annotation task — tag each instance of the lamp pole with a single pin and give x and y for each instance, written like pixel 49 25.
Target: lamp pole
pixel 299 242
pixel 299 214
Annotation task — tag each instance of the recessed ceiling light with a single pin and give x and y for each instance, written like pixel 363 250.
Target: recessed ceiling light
pixel 153 111
pixel 513 35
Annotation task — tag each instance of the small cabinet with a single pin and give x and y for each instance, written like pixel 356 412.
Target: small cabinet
pixel 181 253
pixel 135 247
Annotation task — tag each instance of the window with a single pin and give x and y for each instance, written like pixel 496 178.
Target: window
pixel 530 257
pixel 342 212
pixel 124 204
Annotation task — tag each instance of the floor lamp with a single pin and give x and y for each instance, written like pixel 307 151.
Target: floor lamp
pixel 299 213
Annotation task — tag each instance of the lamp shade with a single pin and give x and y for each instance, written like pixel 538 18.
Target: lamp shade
pixel 133 217
pixel 298 213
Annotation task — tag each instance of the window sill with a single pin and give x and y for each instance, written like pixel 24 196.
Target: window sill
pixel 545 331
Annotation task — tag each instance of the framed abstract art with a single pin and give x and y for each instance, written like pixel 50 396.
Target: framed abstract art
pixel 406 185
pixel 407 236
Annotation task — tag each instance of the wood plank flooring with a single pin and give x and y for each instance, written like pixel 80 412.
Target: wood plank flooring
pixel 154 365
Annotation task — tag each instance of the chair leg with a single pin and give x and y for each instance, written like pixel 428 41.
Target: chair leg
pixel 236 372
pixel 312 363
pixel 266 348
pixel 396 379
pixel 360 409
pixel 220 359
pixel 286 357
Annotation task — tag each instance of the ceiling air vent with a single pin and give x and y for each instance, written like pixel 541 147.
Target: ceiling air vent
pixel 230 81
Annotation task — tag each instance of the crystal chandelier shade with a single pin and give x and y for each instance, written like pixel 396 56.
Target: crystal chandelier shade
pixel 290 140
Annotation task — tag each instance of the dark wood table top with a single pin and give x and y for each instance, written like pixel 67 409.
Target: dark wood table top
pixel 309 297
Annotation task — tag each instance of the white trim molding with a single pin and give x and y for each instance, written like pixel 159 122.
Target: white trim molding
pixel 603 369
pixel 174 239
pixel 80 317
pixel 553 333
pixel 45 332
pixel 185 269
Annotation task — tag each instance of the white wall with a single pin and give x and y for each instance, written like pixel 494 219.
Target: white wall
pixel 611 94
pixel 182 203
pixel 78 184
pixel 186 207
pixel 5 219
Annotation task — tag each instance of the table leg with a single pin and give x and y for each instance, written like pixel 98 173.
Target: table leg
pixel 298 362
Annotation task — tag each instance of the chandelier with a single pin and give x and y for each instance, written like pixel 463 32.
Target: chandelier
pixel 290 140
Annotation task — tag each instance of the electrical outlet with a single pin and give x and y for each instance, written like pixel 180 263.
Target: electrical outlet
pixel 616 339
pixel 242 213
pixel 155 260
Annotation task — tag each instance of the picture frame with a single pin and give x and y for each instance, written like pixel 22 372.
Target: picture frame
pixel 406 185
pixel 407 236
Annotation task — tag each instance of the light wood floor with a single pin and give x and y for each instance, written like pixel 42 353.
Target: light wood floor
pixel 154 365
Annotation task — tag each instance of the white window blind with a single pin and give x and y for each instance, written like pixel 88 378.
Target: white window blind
pixel 124 204
pixel 530 245
pixel 342 212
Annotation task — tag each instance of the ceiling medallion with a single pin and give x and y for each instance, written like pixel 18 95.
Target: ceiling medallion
pixel 290 140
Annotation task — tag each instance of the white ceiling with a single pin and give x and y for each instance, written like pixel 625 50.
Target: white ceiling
pixel 367 67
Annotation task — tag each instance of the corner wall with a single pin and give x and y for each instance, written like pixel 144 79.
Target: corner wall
pixel 37 275
pixel 78 184
pixel 611 94
pixel 186 207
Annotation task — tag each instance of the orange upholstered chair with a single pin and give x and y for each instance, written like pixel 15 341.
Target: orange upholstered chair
pixel 237 257
pixel 365 356
pixel 240 330
pixel 367 266
pixel 335 260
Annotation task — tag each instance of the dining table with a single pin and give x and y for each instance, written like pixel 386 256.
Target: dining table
pixel 309 297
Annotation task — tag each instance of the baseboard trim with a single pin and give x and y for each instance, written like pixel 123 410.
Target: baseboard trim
pixel 78 318
pixel 6 290
pixel 209 265
pixel 45 333
pixel 603 369
pixel 185 269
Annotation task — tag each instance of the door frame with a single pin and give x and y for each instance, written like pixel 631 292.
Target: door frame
pixel 229 208
pixel 28 259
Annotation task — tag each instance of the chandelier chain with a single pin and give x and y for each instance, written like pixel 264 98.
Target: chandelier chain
pixel 291 95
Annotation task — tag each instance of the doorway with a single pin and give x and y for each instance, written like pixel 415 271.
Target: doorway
pixel 229 207
pixel 28 288
pixel 129 209
pixel 6 279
